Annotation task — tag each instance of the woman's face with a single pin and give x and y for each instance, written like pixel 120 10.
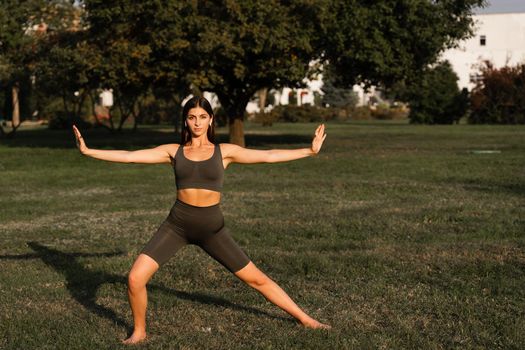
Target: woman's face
pixel 198 121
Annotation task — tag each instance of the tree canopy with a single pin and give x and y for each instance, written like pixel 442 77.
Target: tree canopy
pixel 238 48
pixel 382 42
pixel 231 48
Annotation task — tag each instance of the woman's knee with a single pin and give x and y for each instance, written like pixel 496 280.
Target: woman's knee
pixel 253 276
pixel 136 279
pixel 142 271
pixel 259 281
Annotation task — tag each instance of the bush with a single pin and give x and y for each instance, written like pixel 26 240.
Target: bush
pixel 338 113
pixel 385 112
pixel 300 114
pixel 266 119
pixel 52 110
pixel 434 96
pixel 293 114
pixel 62 120
pixel 361 113
pixel 305 114
pixel 499 97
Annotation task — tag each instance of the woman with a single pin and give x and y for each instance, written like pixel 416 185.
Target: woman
pixel 196 218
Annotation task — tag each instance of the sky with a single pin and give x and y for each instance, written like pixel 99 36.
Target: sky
pixel 502 6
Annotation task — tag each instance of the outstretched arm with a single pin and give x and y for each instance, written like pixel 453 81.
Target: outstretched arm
pixel 158 154
pixel 237 154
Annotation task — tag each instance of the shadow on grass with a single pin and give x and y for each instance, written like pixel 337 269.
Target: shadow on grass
pixel 488 186
pixel 40 138
pixel 83 283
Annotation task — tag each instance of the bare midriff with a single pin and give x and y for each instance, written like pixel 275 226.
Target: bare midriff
pixel 199 197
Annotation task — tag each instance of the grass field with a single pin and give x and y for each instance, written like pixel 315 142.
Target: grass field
pixel 399 236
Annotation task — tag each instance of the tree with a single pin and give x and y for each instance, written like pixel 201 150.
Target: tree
pixel 141 45
pixel 15 48
pixel 24 26
pixel 499 97
pixel 65 69
pixel 247 46
pixel 124 53
pixel 434 98
pixel 238 48
pixel 383 42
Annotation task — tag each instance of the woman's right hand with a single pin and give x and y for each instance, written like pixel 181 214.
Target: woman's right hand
pixel 80 141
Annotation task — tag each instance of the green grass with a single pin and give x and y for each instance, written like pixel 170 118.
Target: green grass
pixel 398 235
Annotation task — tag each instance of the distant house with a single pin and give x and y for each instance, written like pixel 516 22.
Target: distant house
pixel 499 38
pixel 306 96
pixel 303 96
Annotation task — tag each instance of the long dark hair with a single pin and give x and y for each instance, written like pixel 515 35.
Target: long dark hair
pixel 196 101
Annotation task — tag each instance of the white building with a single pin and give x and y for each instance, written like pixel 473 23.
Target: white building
pixel 305 96
pixel 499 38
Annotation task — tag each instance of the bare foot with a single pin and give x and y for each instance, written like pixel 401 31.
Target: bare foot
pixel 135 338
pixel 316 324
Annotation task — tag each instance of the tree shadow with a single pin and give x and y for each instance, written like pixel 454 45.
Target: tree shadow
pixel 83 283
pixel 146 138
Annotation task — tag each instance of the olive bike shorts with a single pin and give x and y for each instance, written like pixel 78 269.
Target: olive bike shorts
pixel 202 226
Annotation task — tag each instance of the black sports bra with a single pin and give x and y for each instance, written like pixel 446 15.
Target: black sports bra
pixel 207 174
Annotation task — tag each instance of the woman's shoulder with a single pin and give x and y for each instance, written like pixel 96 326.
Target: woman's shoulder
pixel 225 147
pixel 170 148
pixel 228 148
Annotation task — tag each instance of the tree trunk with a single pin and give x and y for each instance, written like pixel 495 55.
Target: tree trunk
pixel 64 101
pixel 121 122
pixel 176 100
pixel 262 99
pixel 78 108
pixel 236 131
pixel 15 120
pixel 235 106
pixel 123 114
pixel 135 112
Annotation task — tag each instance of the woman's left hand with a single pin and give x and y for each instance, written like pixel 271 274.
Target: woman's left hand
pixel 318 139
